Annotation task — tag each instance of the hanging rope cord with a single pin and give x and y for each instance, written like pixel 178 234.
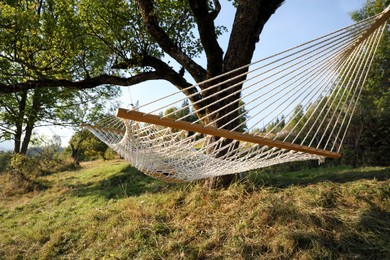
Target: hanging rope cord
pixel 344 37
pixel 298 105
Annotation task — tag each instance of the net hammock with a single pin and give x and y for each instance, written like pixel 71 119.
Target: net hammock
pixel 292 106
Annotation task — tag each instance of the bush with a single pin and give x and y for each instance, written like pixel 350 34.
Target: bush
pixel 5 159
pixel 26 166
pixel 21 172
pixel 110 154
pixel 20 176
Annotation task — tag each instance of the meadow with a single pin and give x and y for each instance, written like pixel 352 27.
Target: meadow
pixel 109 210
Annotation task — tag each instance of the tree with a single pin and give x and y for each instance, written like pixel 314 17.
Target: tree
pixel 33 48
pixel 99 40
pixel 84 145
pixel 183 113
pixel 368 137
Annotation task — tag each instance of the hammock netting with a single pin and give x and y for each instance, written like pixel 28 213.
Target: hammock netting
pixel 292 106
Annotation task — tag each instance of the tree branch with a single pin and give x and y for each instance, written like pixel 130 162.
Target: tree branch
pixel 208 37
pixel 6 130
pixel 163 40
pixel 217 9
pixel 82 84
pixel 249 21
pixel 165 71
pixel 162 71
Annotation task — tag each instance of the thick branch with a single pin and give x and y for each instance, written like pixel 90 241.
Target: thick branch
pixel 162 71
pixel 208 37
pixel 82 84
pixel 249 21
pixel 161 37
pixel 165 71
pixel 217 9
pixel 6 130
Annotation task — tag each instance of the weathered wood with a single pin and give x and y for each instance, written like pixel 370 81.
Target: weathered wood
pixel 153 119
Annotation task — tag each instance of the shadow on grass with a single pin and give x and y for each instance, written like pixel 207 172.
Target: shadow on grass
pixel 367 239
pixel 370 239
pixel 129 182
pixel 317 175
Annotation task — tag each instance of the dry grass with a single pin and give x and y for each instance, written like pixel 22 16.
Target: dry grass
pixel 108 210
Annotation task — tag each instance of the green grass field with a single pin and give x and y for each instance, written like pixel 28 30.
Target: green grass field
pixel 108 210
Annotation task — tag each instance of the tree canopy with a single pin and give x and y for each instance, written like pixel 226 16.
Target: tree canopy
pixel 42 40
pixel 84 44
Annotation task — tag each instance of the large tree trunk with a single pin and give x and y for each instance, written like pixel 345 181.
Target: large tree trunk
pixel 251 15
pixel 249 21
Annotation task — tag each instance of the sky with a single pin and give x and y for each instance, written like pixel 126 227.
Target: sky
pixel 295 22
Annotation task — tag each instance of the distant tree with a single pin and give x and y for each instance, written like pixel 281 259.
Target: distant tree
pixel 297 119
pixel 243 117
pixel 369 133
pixel 184 112
pixel 83 145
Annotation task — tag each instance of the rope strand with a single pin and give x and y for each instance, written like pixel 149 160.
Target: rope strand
pixel 303 99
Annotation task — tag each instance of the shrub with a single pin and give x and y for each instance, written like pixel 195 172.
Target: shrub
pixel 25 166
pixel 5 159
pixel 20 176
pixel 110 154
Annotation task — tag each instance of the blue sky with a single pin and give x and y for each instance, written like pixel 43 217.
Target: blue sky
pixel 295 22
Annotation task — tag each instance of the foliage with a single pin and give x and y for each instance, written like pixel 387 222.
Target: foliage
pixel 21 175
pixel 46 40
pixel 73 40
pixel 84 146
pixel 368 142
pixel 110 210
pixel 184 112
pixel 277 125
pixel 23 170
pixel 5 159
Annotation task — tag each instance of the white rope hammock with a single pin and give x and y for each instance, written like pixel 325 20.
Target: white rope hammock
pixel 298 106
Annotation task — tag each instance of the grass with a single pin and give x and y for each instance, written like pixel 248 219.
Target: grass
pixel 108 210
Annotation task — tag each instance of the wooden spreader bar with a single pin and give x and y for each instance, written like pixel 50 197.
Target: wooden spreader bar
pixel 152 119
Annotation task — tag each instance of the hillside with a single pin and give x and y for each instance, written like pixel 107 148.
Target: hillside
pixel 109 210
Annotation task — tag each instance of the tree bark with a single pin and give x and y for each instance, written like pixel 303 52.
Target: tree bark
pixel 74 155
pixel 32 119
pixel 19 122
pixel 249 21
